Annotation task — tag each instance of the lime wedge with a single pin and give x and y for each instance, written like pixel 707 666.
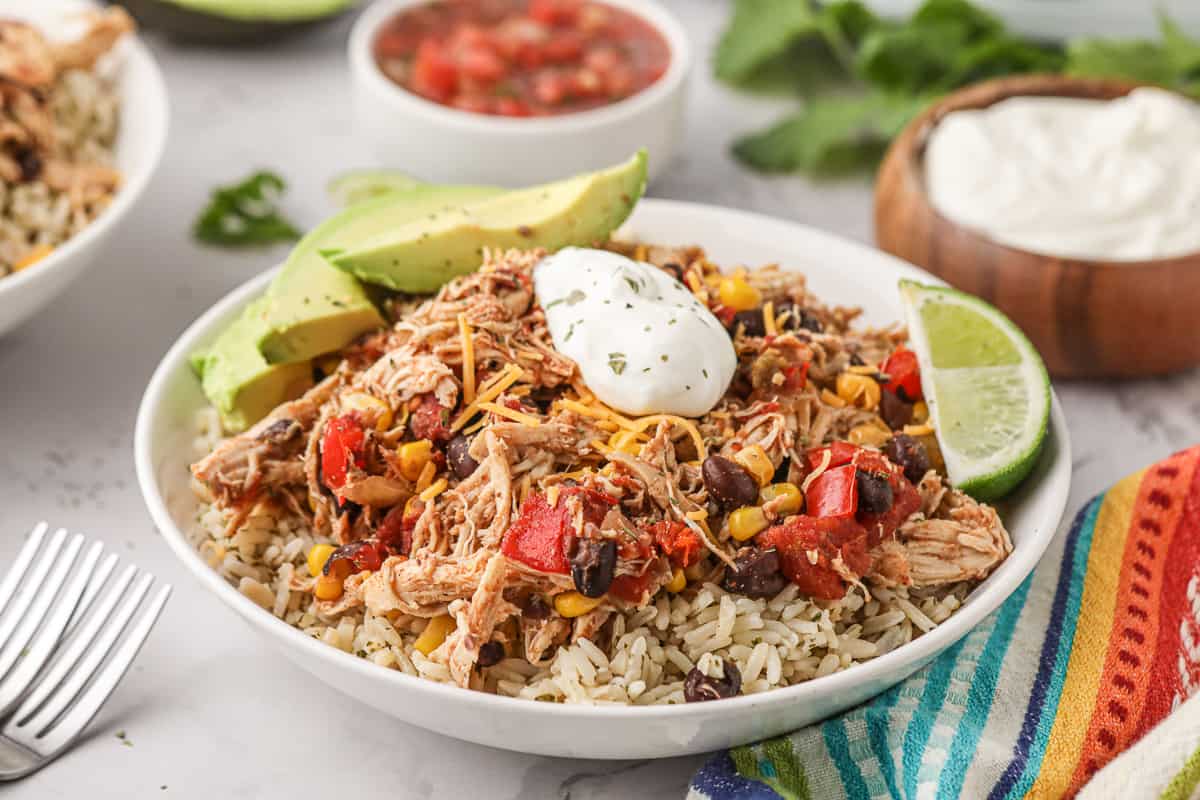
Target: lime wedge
pixel 986 387
pixel 354 187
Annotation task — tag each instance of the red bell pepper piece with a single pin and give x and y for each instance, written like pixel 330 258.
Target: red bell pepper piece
pixel 677 541
pixel 538 537
pixel 840 453
pixel 633 588
pixel 808 546
pixel 341 446
pixel 904 375
pixel 834 493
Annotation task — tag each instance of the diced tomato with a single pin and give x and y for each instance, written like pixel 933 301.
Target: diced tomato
pixel 550 88
pixel 795 376
pixel 538 538
pixel 634 588
pixel 677 541
pixel 834 493
pixel 480 104
pixel 808 546
pixel 483 65
pixel 512 107
pixel 563 46
pixel 554 12
pixel 396 529
pixel 363 556
pixel 904 375
pixel 434 74
pixel 341 447
pixel 430 419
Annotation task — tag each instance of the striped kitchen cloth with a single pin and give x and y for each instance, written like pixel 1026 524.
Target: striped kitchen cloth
pixel 1077 686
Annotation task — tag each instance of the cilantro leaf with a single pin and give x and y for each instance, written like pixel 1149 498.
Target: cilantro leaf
pixel 246 214
pixel 762 30
pixel 832 135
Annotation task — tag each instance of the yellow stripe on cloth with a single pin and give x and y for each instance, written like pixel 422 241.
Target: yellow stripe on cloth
pixel 1090 645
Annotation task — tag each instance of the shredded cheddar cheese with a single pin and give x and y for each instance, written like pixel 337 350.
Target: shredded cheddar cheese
pixel 468 358
pixel 768 312
pixel 488 392
pixel 552 495
pixel 434 489
pixel 697 515
pixel 508 413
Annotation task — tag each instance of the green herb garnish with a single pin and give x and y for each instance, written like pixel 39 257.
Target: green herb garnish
pixel 616 362
pixel 246 214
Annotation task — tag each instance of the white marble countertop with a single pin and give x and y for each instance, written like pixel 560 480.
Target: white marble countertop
pixel 207 712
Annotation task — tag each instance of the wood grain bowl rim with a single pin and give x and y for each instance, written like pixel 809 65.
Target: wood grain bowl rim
pixel 911 144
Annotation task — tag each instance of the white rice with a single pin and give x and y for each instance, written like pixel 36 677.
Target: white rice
pixel 777 642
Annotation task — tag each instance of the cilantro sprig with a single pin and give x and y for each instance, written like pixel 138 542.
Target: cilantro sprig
pixel 246 214
pixel 864 78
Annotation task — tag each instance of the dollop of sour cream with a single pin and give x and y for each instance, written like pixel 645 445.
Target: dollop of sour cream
pixel 643 343
pixel 1109 179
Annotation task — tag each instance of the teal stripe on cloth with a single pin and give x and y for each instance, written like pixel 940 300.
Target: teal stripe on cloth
pixel 1041 739
pixel 839 749
pixel 983 693
pixel 921 727
pixel 877 715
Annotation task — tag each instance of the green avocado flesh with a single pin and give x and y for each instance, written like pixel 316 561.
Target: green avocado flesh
pixel 273 10
pixel 313 308
pixel 238 380
pixel 423 254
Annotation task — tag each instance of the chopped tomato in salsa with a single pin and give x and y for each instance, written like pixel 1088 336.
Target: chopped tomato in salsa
pixel 430 419
pixel 341 446
pixel 808 546
pixel 677 541
pixel 542 535
pixel 904 375
pixel 519 58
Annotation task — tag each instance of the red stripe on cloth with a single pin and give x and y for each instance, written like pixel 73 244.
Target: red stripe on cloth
pixel 1140 616
pixel 1183 562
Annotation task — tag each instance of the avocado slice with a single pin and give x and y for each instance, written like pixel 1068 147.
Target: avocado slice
pixel 354 187
pixel 233 21
pixel 312 308
pixel 423 254
pixel 238 381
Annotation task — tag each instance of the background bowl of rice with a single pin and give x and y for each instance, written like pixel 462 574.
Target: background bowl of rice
pixel 838 271
pixel 140 139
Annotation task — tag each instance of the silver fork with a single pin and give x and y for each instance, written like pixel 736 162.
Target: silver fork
pixel 67 635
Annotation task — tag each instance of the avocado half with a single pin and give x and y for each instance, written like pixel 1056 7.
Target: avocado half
pixel 233 21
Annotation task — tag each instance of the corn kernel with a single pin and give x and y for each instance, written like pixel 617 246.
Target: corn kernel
pixel 573 604
pixel 746 522
pixel 831 399
pixel 870 435
pixel 678 581
pixel 329 587
pixel 756 461
pixel 793 498
pixel 858 390
pixel 735 293
pixel 413 458
pixel 918 430
pixel 370 407
pixel 920 413
pixel 32 257
pixel 317 557
pixel 434 634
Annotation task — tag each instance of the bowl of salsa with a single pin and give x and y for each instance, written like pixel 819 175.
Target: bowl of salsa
pixel 511 92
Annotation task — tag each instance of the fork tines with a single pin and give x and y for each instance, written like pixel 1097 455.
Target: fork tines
pixel 67 635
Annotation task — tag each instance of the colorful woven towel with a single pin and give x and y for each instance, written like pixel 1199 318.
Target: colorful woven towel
pixel 1063 691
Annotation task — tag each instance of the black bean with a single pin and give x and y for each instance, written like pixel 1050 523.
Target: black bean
pixel 458 454
pixel 279 431
pixel 728 483
pixel 698 687
pixel 783 471
pixel 895 412
pixel 30 163
pixel 751 322
pixel 490 654
pixel 535 608
pixel 909 455
pixel 757 573
pixel 874 492
pixel 674 270
pixel 799 319
pixel 593 566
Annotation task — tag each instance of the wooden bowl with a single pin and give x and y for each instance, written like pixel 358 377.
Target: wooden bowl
pixel 1088 318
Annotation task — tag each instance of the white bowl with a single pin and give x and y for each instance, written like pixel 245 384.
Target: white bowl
pixel 140 140
pixel 447 145
pixel 838 271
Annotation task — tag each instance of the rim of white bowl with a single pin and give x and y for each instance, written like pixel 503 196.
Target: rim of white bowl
pixel 133 183
pixel 364 68
pixel 986 598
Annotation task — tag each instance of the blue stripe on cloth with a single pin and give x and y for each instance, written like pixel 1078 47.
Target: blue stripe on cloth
pixel 983 693
pixel 921 727
pixel 878 715
pixel 838 746
pixel 719 778
pixel 1030 747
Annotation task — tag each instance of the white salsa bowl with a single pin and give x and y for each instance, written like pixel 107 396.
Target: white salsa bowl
pixel 838 271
